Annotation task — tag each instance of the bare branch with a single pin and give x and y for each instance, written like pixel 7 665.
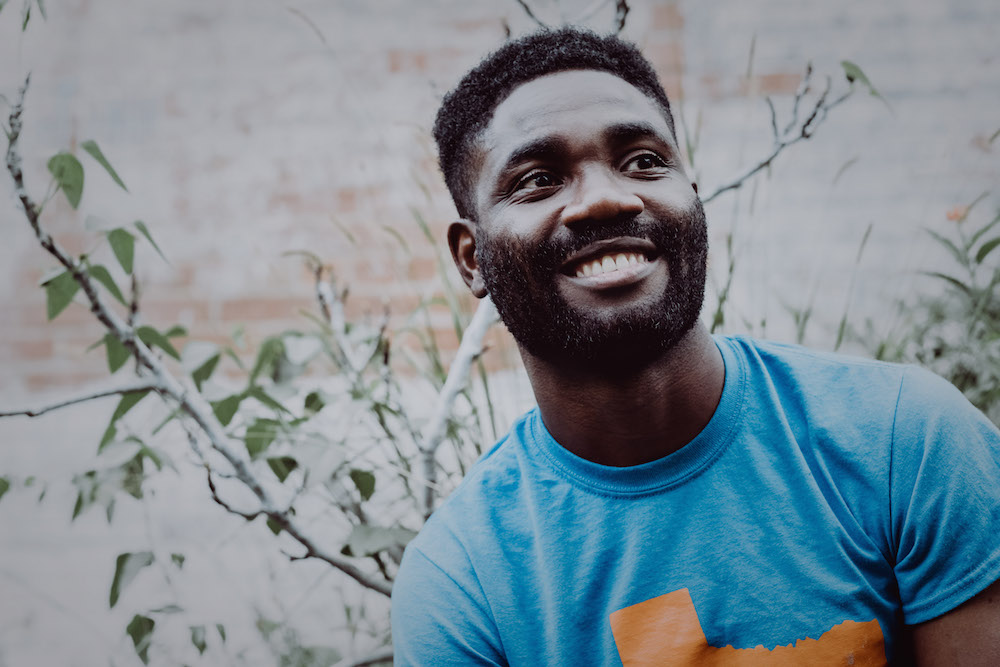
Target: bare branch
pixel 621 11
pixel 793 132
pixel 249 516
pixel 800 92
pixel 774 119
pixel 469 350
pixel 531 14
pixel 141 385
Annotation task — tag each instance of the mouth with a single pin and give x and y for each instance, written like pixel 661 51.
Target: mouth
pixel 611 263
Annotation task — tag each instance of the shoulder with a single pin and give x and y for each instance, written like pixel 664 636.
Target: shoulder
pixel 463 522
pixel 843 388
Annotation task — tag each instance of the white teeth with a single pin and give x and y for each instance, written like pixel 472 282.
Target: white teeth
pixel 610 263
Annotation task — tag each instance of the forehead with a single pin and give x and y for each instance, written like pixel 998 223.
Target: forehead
pixel 574 105
pixel 554 103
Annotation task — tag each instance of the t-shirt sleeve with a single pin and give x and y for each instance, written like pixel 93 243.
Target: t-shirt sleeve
pixel 439 617
pixel 944 497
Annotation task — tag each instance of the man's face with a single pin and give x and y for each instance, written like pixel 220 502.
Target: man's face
pixel 590 240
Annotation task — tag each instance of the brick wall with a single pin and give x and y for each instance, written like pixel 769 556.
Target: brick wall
pixel 247 130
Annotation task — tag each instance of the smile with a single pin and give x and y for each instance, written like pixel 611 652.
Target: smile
pixel 610 263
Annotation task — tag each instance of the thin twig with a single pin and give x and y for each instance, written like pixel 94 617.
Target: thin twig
pixel 621 11
pixel 469 350
pixel 141 385
pixel 793 133
pixel 531 14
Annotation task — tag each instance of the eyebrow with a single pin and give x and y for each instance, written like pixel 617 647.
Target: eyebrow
pixel 549 147
pixel 537 149
pixel 625 132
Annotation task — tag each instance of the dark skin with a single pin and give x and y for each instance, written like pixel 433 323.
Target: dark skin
pixel 624 419
pixel 613 419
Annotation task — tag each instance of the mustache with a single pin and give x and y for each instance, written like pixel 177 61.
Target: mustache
pixel 552 252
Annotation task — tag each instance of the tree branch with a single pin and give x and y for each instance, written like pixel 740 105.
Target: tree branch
pixel 621 11
pixel 469 350
pixel 192 403
pixel 531 14
pixel 140 385
pixel 793 132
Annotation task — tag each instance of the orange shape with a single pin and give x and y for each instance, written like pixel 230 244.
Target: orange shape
pixel 665 631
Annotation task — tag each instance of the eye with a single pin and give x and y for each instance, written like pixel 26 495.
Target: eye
pixel 645 162
pixel 537 180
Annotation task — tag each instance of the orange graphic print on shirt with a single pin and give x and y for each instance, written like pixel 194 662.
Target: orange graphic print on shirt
pixel 665 631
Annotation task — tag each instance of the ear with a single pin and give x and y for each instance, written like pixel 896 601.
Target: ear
pixel 462 242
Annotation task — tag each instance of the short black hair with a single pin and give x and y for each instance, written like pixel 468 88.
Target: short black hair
pixel 467 109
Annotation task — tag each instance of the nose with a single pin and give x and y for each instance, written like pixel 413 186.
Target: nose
pixel 599 195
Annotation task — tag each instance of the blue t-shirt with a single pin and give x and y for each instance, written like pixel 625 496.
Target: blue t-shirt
pixel 828 502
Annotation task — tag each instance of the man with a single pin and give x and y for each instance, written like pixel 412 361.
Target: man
pixel 675 498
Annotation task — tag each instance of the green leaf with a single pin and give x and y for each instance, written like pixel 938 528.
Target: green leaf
pixel 152 337
pixel 198 638
pixel 264 398
pixel 260 435
pixel 78 505
pixel 127 566
pixel 140 629
pixel 266 627
pixel 68 172
pixel 986 249
pixel 91 147
pixel 178 560
pixel 854 74
pixel 949 279
pixel 175 331
pixel 118 354
pixel 270 351
pixel 957 254
pixel 128 402
pixel 314 402
pixel 273 525
pixel 203 372
pixel 282 466
pixel 59 292
pixel 365 481
pixel 141 226
pixel 4 486
pixel 26 17
pixel 41 9
pixel 226 408
pixel 167 609
pixel 221 629
pixel 366 540
pixel 101 275
pixel 123 245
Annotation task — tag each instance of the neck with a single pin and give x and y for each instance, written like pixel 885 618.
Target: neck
pixel 633 418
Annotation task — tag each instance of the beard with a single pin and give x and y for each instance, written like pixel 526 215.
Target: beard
pixel 521 279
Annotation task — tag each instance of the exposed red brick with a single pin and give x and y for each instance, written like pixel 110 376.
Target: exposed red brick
pixel 422 268
pixel 667 16
pixel 239 310
pixel 779 82
pixel 667 58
